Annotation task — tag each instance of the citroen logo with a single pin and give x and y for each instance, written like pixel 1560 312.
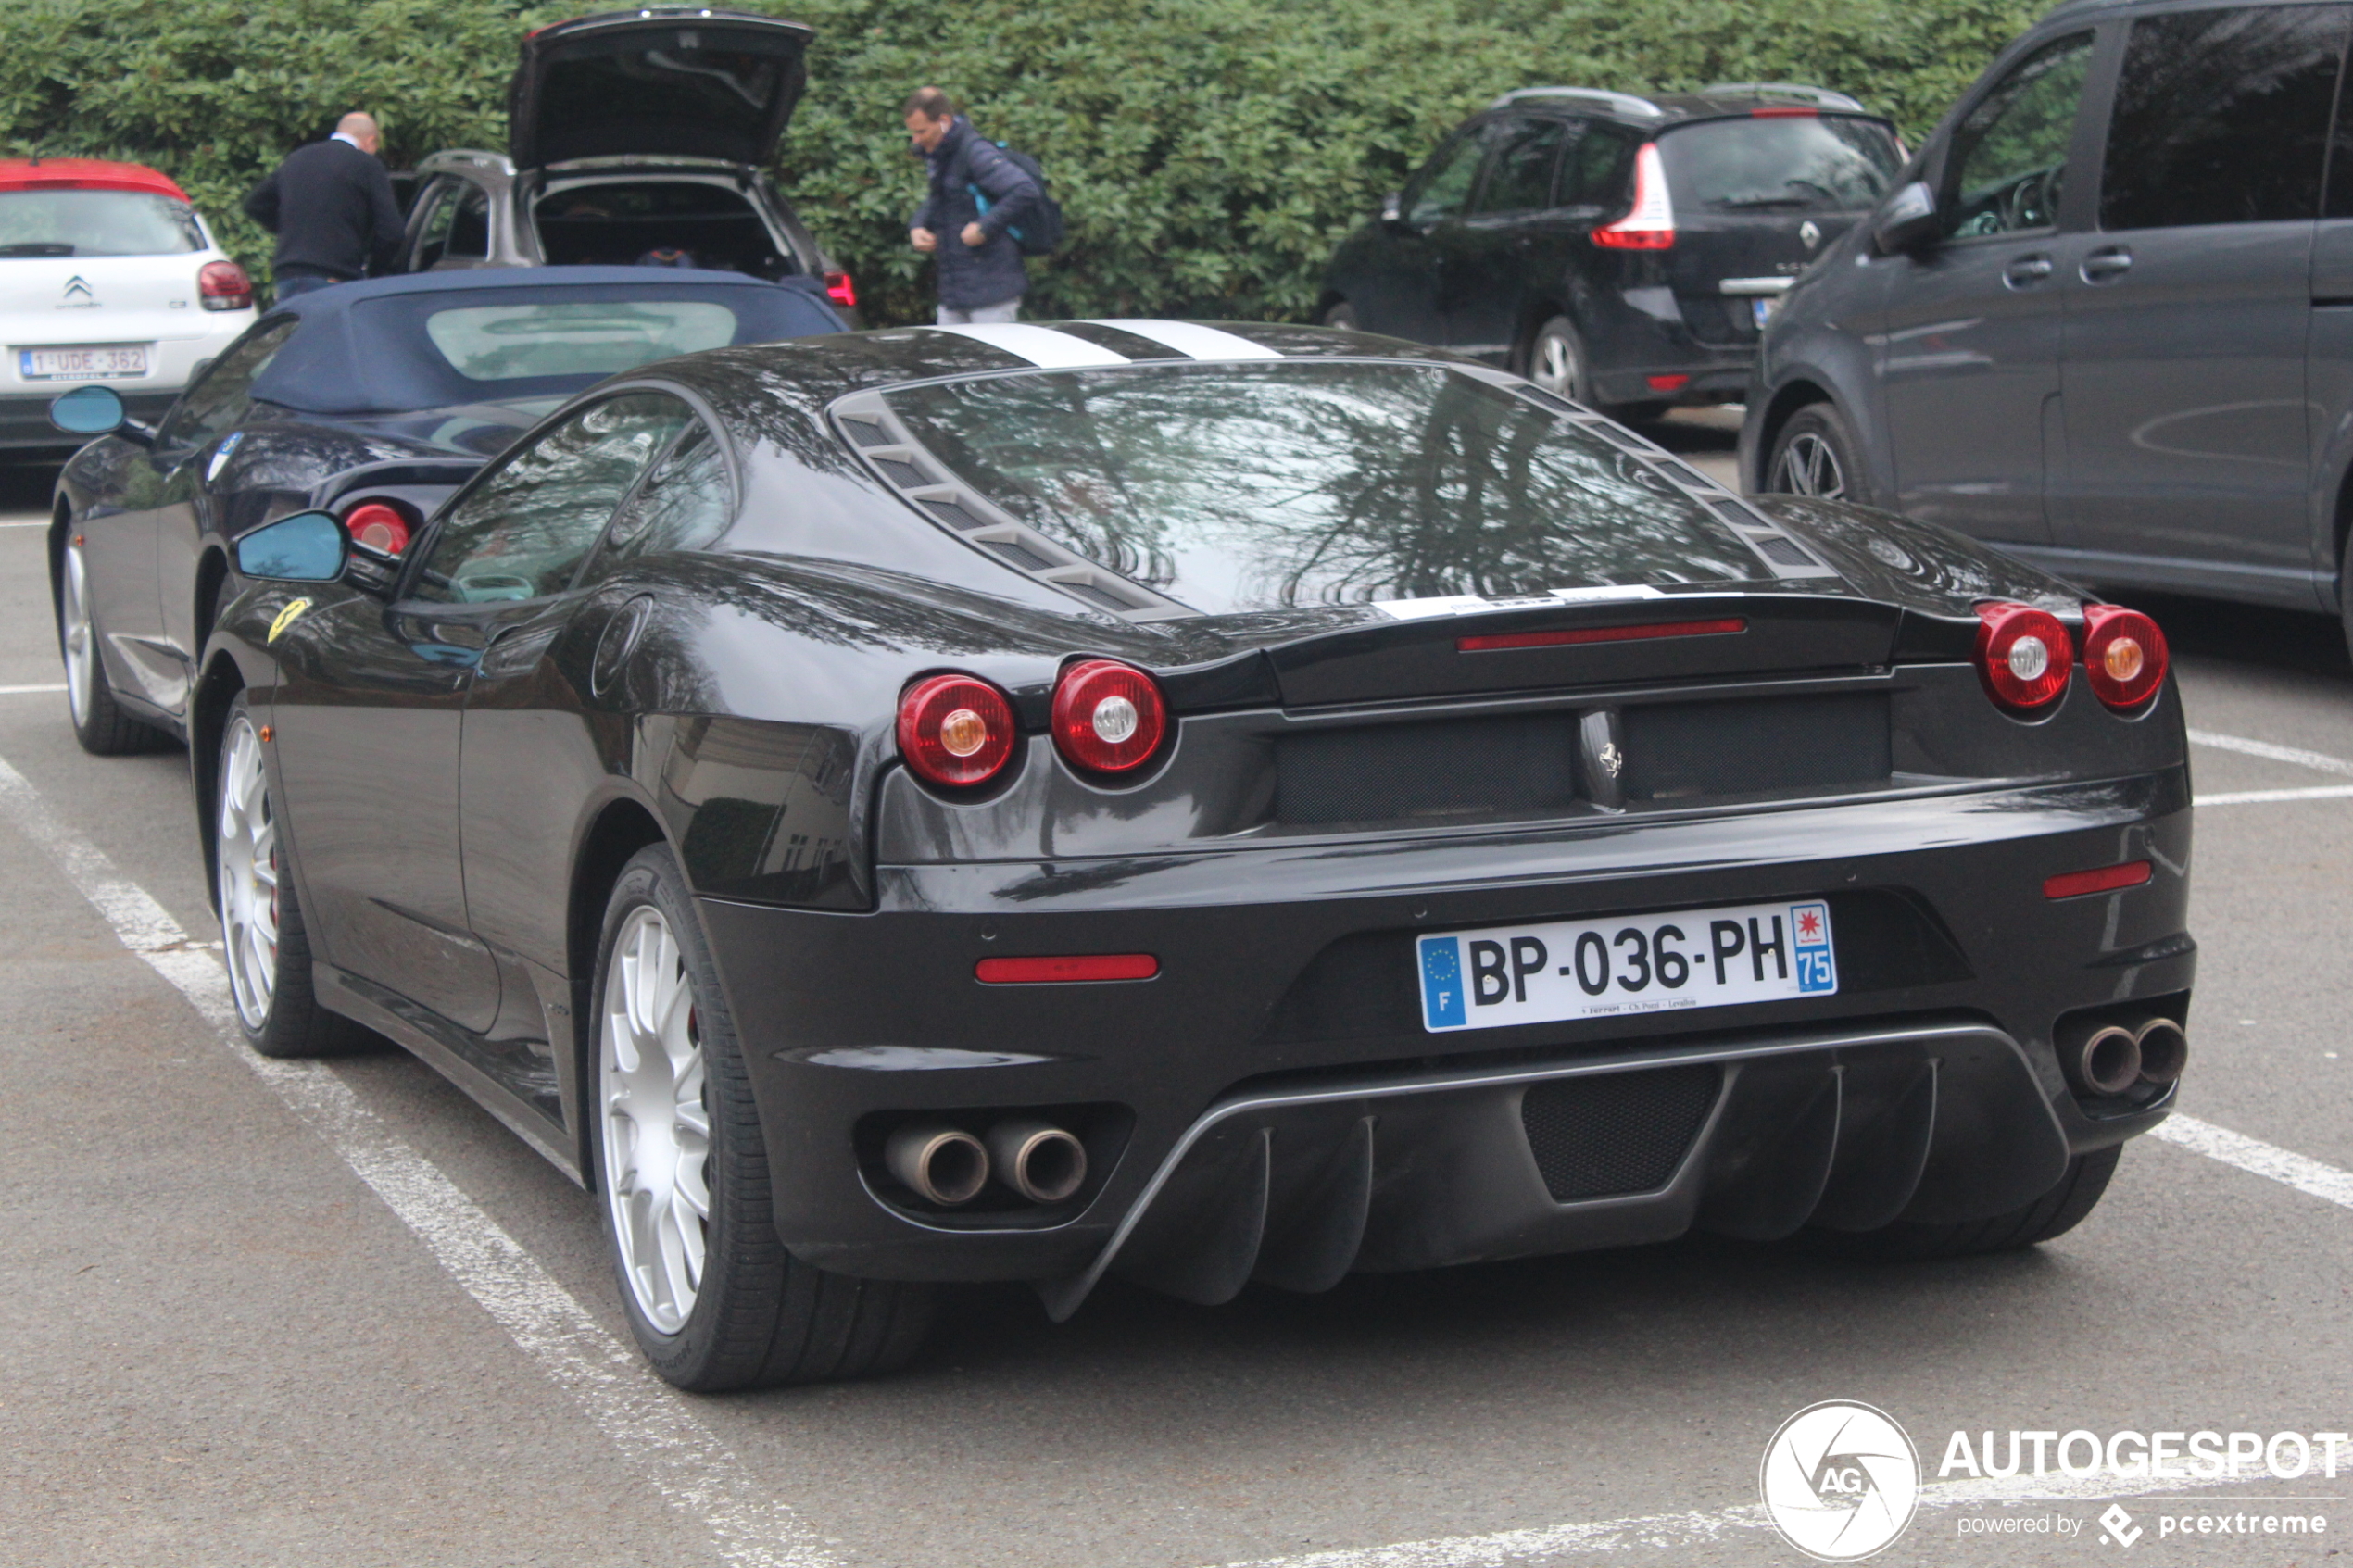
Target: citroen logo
pixel 1810 232
pixel 77 286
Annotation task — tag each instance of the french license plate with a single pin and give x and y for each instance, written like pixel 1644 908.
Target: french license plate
pixel 101 363
pixel 1765 304
pixel 1619 968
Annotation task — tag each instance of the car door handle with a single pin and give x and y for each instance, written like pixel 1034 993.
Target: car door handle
pixel 2027 271
pixel 2107 262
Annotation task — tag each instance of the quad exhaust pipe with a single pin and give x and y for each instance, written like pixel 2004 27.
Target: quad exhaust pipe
pixel 942 1165
pixel 949 1166
pixel 1037 1159
pixel 2110 1059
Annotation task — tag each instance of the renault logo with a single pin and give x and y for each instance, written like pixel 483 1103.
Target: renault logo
pixel 77 286
pixel 1810 232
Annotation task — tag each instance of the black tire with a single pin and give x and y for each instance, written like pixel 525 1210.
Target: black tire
pixel 1342 317
pixel 758 1317
pixel 99 722
pixel 2345 589
pixel 269 982
pixel 2054 1213
pixel 1816 454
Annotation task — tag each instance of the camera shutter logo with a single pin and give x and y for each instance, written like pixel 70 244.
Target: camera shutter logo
pixel 1840 1481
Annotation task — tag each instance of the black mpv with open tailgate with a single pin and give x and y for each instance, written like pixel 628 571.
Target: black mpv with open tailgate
pixel 1618 250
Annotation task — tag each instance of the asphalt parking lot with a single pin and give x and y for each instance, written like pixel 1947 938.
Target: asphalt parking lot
pixel 262 1317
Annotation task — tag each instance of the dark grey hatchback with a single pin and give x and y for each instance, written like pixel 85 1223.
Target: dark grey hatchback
pixel 1618 250
pixel 2108 322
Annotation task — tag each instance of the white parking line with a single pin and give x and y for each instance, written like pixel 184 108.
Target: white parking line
pixel 2318 761
pixel 1547 1543
pixel 2263 796
pixel 1505 1549
pixel 651 1425
pixel 27 691
pixel 2308 1176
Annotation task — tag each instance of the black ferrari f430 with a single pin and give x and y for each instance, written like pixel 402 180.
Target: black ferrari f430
pixel 1206 804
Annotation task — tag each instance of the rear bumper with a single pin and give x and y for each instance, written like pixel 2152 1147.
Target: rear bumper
pixel 1638 333
pixel 1284 1016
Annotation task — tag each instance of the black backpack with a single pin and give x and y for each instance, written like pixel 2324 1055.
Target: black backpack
pixel 1043 231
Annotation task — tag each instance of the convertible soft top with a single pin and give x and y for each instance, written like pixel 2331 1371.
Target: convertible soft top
pixel 366 347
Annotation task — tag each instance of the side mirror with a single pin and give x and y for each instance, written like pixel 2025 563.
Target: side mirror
pixel 1393 208
pixel 88 410
pixel 1908 222
pixel 302 548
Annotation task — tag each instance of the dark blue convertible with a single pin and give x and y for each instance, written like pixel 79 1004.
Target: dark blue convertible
pixel 374 400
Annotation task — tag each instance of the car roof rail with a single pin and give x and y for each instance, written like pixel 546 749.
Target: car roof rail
pixel 455 158
pixel 1624 103
pixel 1821 97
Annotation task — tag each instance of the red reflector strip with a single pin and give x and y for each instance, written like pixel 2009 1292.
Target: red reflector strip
pixel 2107 879
pixel 1601 635
pixel 1784 111
pixel 1080 966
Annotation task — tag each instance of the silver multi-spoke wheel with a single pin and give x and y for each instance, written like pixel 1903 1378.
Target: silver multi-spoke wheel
pixel 80 636
pixel 1809 465
pixel 248 844
pixel 1557 369
pixel 657 1129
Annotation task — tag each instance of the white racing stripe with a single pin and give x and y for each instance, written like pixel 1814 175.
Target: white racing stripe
pixel 2263 796
pixel 1042 347
pixel 652 1427
pixel 2320 762
pixel 1193 340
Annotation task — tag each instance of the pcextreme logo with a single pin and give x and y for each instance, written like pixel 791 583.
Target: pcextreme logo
pixel 1840 1480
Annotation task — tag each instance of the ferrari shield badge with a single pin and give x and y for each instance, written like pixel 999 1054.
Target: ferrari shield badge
pixel 288 616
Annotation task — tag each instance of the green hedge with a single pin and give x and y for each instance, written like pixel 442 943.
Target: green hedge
pixel 1209 152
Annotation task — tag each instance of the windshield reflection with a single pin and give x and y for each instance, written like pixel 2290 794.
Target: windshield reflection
pixel 1240 488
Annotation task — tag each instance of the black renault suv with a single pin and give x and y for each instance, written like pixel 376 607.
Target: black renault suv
pixel 1621 251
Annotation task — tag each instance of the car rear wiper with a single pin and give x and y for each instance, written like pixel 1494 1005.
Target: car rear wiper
pixel 37 247
pixel 1740 202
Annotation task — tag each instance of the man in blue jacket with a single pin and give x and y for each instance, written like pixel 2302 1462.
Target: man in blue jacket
pixel 980 272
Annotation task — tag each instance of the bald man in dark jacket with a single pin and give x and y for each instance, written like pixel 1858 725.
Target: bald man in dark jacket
pixel 330 205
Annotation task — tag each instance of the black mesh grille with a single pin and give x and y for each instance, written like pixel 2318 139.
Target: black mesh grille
pixel 1020 555
pixel 1387 772
pixel 1783 552
pixel 1680 750
pixel 953 515
pixel 867 433
pixel 1617 1132
pixel 905 475
pixel 1095 595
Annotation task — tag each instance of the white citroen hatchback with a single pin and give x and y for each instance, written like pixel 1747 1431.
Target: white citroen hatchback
pixel 106 274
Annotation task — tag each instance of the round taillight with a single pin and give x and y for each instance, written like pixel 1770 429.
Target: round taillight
pixel 2024 655
pixel 378 526
pixel 955 730
pixel 222 285
pixel 2123 653
pixel 1108 718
